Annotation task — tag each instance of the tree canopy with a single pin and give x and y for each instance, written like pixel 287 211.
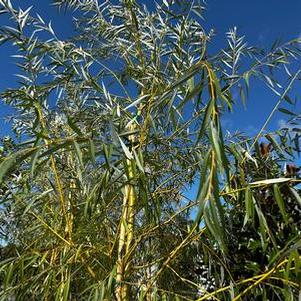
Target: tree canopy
pixel 114 128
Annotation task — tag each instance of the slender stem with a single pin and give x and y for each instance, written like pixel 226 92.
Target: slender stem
pixel 126 230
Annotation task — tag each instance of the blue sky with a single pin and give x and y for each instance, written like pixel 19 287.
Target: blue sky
pixel 261 21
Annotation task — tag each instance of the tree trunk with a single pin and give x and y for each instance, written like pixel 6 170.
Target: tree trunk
pixel 126 232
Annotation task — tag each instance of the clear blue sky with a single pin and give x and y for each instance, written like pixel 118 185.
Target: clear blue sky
pixel 261 21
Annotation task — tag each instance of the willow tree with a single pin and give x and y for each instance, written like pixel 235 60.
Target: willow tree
pixel 113 126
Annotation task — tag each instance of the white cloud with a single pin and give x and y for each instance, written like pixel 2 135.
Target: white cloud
pixel 251 130
pixel 284 124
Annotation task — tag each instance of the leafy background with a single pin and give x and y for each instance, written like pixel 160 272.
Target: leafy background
pixel 125 183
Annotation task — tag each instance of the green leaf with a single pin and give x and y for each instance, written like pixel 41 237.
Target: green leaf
pixel 78 153
pixel 137 160
pixel 263 226
pixel 285 111
pixel 287 272
pixel 289 100
pixel 102 293
pixel 13 161
pixel 34 200
pixel 34 162
pixel 126 151
pixel 66 288
pixel 197 90
pixel 249 205
pixel 206 119
pixel 9 275
pixel 92 150
pixel 280 202
pixel 111 280
pixel 246 77
pixel 73 126
pixel 276 146
pixel 271 181
pixel 107 154
pixel 184 78
pixel 202 194
pixel 6 165
pixel 216 143
pixel 204 185
pixel 213 222
pixel 296 195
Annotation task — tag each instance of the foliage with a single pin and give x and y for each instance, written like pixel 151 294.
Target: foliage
pixel 113 127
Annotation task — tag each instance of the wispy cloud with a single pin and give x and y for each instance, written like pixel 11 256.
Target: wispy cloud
pixel 284 124
pixel 227 124
pixel 251 130
pixel 263 36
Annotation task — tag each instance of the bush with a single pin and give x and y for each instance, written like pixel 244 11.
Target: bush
pixel 112 128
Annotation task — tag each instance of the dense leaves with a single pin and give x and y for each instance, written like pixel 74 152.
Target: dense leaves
pixel 120 182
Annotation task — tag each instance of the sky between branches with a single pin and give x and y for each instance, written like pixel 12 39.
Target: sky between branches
pixel 261 21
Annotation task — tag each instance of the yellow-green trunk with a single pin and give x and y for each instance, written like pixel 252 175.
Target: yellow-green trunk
pixel 126 234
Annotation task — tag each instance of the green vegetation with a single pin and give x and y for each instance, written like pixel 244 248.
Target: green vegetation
pixel 114 127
